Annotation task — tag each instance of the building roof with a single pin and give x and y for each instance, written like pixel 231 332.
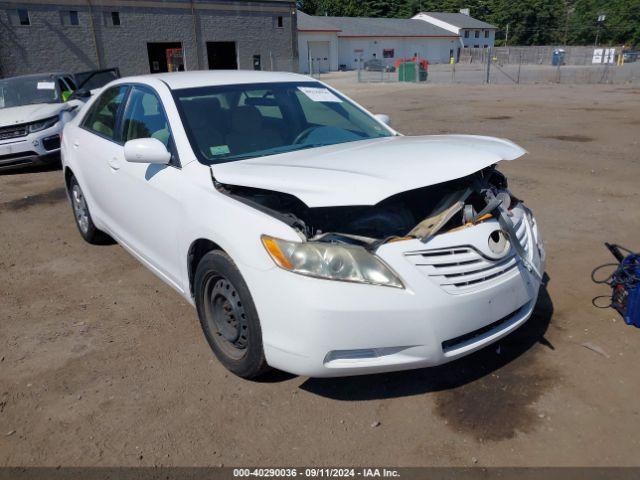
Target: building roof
pixel 371 27
pixel 459 20
pixel 312 23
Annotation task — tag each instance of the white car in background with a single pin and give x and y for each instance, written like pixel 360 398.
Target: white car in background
pixel 33 110
pixel 310 236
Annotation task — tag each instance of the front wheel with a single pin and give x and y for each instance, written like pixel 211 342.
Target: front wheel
pixel 228 316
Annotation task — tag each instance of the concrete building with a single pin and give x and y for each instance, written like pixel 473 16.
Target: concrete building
pixel 331 43
pixel 473 33
pixel 142 36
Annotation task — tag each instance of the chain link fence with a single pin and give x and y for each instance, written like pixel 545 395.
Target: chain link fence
pixel 522 65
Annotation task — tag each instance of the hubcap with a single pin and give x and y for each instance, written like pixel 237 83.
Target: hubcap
pixel 226 317
pixel 80 208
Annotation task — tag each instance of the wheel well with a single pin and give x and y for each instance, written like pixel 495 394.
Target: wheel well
pixel 197 250
pixel 67 177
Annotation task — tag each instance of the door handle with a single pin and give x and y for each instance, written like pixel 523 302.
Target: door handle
pixel 114 164
pixel 76 144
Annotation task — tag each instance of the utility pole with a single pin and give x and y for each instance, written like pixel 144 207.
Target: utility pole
pixel 599 22
pixel 506 37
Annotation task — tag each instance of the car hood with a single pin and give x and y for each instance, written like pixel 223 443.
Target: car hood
pixel 368 171
pixel 29 113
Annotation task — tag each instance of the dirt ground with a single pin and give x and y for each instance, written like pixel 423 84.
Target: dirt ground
pixel 102 364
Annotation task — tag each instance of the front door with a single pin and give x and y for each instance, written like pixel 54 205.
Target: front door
pixel 151 211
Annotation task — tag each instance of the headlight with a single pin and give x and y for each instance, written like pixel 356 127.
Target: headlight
pixel 42 124
pixel 333 262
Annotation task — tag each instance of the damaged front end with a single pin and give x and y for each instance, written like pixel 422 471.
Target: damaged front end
pixel 419 214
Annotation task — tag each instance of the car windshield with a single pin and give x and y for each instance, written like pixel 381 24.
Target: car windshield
pixel 18 91
pixel 234 122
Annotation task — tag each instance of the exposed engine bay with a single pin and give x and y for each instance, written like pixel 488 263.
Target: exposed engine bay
pixel 419 213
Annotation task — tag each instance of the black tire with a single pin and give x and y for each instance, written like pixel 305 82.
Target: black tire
pixel 228 315
pixel 82 216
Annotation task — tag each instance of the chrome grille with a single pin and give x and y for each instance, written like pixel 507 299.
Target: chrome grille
pixel 464 268
pixel 13 132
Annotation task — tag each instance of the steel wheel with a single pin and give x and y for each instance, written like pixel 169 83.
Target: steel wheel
pixel 226 317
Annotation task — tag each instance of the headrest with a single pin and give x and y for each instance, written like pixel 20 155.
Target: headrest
pixel 246 118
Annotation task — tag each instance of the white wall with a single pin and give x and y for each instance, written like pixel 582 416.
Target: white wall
pixel 435 50
pixel 303 48
pixel 472 41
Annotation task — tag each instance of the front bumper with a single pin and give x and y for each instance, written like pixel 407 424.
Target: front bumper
pixel 35 148
pixel 323 328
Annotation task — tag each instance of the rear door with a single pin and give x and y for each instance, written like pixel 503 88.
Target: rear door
pixel 98 151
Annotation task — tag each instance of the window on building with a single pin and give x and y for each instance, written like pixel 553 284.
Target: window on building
pixel 476 46
pixel 23 17
pixel 466 34
pixel 486 34
pixel 115 19
pixel 388 53
pixel 280 22
pixel 73 17
pixel 477 33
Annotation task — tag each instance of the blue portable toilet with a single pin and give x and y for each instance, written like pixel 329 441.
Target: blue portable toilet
pixel 558 57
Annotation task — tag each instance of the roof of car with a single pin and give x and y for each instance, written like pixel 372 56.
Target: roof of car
pixel 203 78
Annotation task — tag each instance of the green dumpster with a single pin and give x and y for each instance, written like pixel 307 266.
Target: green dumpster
pixel 407 72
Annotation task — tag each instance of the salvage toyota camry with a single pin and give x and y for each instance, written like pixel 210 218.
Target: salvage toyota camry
pixel 309 235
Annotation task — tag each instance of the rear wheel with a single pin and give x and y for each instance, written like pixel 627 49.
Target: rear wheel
pixel 83 217
pixel 228 315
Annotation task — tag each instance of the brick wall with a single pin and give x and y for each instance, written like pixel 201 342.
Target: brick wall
pixel 51 44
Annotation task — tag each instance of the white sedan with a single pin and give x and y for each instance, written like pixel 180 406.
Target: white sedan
pixel 309 235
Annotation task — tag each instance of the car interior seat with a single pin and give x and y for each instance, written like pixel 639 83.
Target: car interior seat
pixel 248 133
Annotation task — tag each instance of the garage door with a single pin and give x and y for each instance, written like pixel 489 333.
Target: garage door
pixel 319 56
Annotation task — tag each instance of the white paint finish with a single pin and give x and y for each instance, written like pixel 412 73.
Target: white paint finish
pixel 325 176
pixel 30 113
pixel 435 50
pixel 156 212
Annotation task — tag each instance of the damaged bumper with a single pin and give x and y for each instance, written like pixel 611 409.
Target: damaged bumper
pixel 460 296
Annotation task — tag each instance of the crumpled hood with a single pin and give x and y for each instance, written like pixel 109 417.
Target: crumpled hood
pixel 366 172
pixel 29 113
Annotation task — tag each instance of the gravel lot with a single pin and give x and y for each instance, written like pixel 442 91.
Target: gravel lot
pixel 102 364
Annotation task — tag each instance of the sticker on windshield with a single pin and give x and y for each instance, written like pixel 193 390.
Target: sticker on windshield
pixel 319 94
pixel 46 86
pixel 219 150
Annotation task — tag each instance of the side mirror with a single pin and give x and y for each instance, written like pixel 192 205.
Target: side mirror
pixel 81 94
pixel 146 150
pixel 383 118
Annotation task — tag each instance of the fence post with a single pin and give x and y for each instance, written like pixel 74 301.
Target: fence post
pixel 519 67
pixel 489 65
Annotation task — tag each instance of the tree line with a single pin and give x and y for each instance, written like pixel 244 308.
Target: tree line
pixel 520 22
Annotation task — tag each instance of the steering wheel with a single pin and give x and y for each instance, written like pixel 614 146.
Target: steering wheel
pixel 303 134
